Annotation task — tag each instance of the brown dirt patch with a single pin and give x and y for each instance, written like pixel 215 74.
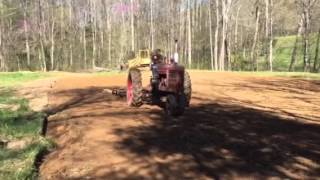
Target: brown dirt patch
pixel 238 127
pixel 37 93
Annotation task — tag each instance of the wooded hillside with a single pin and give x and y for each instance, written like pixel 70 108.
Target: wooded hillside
pixel 73 35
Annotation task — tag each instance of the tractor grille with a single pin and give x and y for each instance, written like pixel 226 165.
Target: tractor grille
pixel 173 76
pixel 173 80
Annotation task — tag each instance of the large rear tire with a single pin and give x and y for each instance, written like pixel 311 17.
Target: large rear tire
pixel 134 88
pixel 187 88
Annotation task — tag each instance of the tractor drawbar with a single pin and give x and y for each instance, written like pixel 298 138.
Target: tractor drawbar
pixel 119 92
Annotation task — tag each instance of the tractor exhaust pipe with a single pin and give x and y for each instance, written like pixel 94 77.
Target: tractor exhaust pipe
pixel 176 54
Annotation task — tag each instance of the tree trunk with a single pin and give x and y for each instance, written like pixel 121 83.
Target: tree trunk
pixel 271 37
pixel 1 49
pixel 123 39
pixel 316 65
pixel 223 38
pixel 267 19
pixel 94 46
pixel 236 43
pixel 85 42
pixel 41 37
pixel 62 53
pixel 253 49
pixel 70 41
pixel 52 45
pixel 26 33
pixel 132 27
pixel 109 39
pixel 1 56
pixel 211 40
pixel 216 36
pixel 295 47
pixel 306 45
pixel 43 56
pixel 189 36
pixel 267 35
pixel 180 35
pixel 228 48
pixel 151 24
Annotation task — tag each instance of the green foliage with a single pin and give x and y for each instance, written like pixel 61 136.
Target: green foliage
pixel 12 79
pixel 240 63
pixel 18 122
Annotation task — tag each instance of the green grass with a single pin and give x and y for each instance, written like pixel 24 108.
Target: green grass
pixel 110 73
pixel 283 51
pixel 17 78
pixel 21 164
pixel 19 122
pixel 283 48
pixel 298 75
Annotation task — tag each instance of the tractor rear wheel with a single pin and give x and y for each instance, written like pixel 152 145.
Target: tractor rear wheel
pixel 134 88
pixel 187 88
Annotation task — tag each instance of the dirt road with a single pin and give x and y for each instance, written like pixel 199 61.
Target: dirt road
pixel 238 126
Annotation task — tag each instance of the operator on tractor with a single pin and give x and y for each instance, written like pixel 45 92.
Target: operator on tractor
pixel 156 58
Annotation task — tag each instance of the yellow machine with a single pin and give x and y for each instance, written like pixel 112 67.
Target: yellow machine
pixel 142 59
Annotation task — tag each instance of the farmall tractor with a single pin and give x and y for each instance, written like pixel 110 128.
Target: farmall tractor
pixel 169 85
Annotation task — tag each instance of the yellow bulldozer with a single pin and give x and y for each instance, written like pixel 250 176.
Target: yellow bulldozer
pixel 142 59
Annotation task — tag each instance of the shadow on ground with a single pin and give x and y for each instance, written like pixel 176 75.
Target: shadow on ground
pixel 212 140
pixel 79 97
pixel 223 141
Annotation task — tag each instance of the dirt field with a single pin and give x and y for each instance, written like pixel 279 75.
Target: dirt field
pixel 238 127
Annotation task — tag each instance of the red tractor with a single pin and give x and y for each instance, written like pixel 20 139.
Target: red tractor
pixel 169 88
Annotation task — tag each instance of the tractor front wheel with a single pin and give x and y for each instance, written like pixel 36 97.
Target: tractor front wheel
pixel 134 88
pixel 187 86
pixel 175 106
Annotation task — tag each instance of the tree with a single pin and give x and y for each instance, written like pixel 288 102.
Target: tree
pixel 189 35
pixel 295 47
pixel 224 47
pixel 306 6
pixel 151 25
pixel 26 31
pixel 216 36
pixel 2 63
pixel 52 38
pixel 210 36
pixel 81 34
pixel 316 65
pixel 254 44
pixel 132 26
pixel 269 32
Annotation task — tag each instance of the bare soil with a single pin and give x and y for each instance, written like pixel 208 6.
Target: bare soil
pixel 238 127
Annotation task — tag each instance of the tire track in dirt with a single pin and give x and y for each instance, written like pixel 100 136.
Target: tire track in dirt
pixel 237 127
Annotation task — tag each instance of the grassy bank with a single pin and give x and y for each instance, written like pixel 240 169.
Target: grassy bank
pixel 20 130
pixel 298 75
pixel 17 78
pixel 283 48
